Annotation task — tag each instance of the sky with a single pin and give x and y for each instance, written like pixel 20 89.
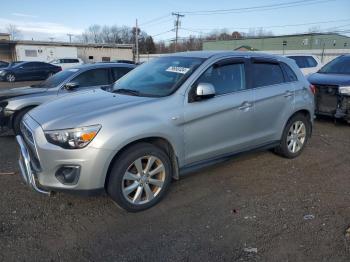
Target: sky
pixel 42 19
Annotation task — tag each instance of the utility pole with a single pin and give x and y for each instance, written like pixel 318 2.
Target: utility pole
pixel 136 43
pixel 70 37
pixel 177 24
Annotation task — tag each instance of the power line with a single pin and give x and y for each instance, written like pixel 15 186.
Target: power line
pixel 256 8
pixel 273 26
pixel 171 30
pixel 155 19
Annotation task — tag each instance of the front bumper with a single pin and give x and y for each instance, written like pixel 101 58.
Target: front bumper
pixel 330 102
pixel 40 161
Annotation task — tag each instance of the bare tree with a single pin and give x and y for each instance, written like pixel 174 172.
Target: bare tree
pixel 14 32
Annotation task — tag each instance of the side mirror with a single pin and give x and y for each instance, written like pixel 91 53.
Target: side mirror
pixel 205 90
pixel 71 86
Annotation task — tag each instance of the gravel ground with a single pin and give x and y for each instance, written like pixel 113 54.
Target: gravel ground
pixel 259 207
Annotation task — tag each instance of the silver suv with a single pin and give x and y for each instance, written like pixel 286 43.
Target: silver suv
pixel 167 117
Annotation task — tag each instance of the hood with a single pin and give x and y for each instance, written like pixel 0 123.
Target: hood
pixel 20 91
pixel 329 79
pixel 82 109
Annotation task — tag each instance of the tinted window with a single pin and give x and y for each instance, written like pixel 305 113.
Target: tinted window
pixel 57 79
pixel 118 72
pixel 340 65
pixel 225 79
pixel 265 74
pixel 304 61
pixel 93 77
pixel 290 75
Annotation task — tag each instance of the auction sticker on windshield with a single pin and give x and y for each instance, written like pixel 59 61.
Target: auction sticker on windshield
pixel 178 69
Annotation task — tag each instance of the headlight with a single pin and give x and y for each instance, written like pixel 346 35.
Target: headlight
pixel 344 90
pixel 73 138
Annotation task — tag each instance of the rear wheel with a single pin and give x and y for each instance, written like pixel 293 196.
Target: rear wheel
pixel 10 78
pixel 18 118
pixel 140 177
pixel 295 136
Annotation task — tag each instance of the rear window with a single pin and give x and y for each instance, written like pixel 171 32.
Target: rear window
pixel 265 74
pixel 304 61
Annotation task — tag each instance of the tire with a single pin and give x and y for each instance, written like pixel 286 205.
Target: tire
pixel 130 190
pixel 18 118
pixel 289 138
pixel 10 78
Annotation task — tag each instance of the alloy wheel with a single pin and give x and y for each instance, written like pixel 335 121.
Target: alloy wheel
pixel 143 180
pixel 10 78
pixel 296 137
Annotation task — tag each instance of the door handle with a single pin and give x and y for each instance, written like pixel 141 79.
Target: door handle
pixel 288 94
pixel 245 105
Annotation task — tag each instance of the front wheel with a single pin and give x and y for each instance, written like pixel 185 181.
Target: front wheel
pixel 10 78
pixel 295 136
pixel 140 177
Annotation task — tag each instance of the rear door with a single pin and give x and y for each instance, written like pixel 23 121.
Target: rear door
pixel 222 124
pixel 273 98
pixel 118 72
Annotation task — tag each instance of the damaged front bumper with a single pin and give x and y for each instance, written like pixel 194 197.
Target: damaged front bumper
pixel 330 102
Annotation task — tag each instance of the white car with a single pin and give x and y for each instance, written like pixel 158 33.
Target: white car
pixel 67 62
pixel 308 64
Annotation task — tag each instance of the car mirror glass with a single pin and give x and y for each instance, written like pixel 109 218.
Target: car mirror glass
pixel 71 86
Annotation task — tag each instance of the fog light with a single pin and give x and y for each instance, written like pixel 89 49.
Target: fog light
pixel 68 175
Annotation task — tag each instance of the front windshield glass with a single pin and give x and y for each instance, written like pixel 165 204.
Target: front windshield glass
pixel 159 77
pixel 340 65
pixel 56 79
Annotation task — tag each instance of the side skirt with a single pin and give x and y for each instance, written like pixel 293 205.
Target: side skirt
pixel 191 168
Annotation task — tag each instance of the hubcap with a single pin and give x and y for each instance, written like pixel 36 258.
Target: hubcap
pixel 296 137
pixel 143 180
pixel 10 78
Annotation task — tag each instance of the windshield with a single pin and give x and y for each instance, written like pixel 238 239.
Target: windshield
pixel 56 79
pixel 159 77
pixel 340 65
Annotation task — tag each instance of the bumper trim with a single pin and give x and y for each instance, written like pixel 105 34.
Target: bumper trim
pixel 26 170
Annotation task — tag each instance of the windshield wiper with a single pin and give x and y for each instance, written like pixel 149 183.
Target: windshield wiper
pixel 127 91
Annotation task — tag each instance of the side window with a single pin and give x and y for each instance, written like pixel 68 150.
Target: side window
pixel 118 72
pixel 29 65
pixel 265 74
pixel 92 77
pixel 225 79
pixel 311 61
pixel 289 73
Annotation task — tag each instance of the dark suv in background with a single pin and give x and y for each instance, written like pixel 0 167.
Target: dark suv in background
pixel 28 71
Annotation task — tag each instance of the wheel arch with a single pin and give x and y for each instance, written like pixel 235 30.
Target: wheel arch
pixel 18 111
pixel 304 112
pixel 158 141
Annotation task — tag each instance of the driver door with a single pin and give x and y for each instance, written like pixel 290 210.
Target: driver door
pixel 224 123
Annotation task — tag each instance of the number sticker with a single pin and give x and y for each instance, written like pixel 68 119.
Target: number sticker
pixel 178 69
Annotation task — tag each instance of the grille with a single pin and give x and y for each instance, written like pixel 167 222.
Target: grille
pixel 27 133
pixel 30 142
pixel 326 99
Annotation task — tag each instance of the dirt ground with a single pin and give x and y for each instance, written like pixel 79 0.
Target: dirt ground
pixel 259 207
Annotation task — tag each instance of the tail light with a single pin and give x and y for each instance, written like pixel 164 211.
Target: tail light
pixel 313 88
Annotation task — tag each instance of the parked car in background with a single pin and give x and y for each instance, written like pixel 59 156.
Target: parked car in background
pixel 308 64
pixel 169 116
pixel 16 102
pixel 123 61
pixel 28 71
pixel 67 62
pixel 332 84
pixel 4 64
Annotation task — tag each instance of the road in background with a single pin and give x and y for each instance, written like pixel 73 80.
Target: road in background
pixel 258 207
